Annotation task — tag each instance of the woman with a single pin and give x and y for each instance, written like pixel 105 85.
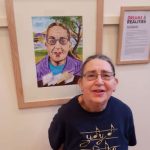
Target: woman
pixel 58 68
pixel 94 120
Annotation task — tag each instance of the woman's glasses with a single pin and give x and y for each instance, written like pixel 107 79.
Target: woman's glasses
pixel 90 76
pixel 53 40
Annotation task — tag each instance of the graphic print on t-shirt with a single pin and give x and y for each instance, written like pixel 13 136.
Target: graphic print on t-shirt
pixel 99 139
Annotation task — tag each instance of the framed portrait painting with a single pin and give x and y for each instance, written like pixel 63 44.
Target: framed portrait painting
pixel 49 44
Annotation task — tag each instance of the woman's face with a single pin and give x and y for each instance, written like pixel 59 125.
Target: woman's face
pixel 58 44
pixel 97 90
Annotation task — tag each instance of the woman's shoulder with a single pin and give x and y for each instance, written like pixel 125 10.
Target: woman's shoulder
pixel 43 61
pixel 73 59
pixel 119 104
pixel 69 106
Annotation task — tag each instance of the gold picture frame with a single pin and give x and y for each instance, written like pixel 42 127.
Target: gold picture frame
pixel 134 34
pixel 13 10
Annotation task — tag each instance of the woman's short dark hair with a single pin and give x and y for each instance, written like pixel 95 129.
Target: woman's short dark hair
pixel 102 57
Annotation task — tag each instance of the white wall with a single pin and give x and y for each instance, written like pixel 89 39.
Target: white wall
pixel 26 129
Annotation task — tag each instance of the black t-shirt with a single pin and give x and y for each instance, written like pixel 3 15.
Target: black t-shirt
pixel 77 129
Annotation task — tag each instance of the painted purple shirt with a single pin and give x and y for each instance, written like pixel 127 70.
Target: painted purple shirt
pixel 72 65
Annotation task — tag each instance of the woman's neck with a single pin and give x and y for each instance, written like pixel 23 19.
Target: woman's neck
pixel 58 63
pixel 90 107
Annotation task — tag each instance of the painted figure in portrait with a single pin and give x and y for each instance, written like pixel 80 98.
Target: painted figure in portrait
pixel 58 49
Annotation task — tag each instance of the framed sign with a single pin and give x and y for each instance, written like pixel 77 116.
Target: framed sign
pixel 134 35
pixel 46 75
